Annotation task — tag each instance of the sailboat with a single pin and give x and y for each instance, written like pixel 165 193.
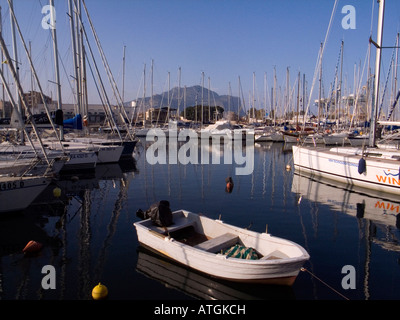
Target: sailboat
pixel 369 167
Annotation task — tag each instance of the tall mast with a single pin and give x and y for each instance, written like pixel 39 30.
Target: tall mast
pixel 377 72
pixel 209 102
pixel 254 99
pixel 2 66
pixel 394 86
pixel 184 102
pixel 298 98
pixel 265 94
pixel 202 97
pixel 82 60
pixel 179 90
pixel 75 61
pixel 274 96
pixel 320 87
pixel 144 95
pixel 54 34
pixel 15 58
pixel 340 85
pixel 123 75
pixel 151 94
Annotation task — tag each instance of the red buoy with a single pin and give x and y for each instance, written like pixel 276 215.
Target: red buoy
pixel 32 247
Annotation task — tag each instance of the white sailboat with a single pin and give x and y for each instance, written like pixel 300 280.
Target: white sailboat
pixel 223 128
pixel 369 167
pixel 17 193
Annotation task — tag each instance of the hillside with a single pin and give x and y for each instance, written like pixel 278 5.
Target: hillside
pixel 193 97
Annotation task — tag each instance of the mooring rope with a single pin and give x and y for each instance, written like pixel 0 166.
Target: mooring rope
pixel 304 269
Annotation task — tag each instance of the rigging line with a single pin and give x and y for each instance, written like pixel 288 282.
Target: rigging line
pixel 334 290
pixel 387 80
pixel 320 54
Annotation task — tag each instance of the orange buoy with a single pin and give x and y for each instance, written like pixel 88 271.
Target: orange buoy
pixel 32 247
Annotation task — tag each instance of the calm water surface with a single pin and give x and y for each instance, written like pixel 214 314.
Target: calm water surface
pixel 88 232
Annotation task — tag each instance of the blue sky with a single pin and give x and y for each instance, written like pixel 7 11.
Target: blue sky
pixel 224 39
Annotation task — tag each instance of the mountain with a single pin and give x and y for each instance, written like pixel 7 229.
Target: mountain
pixel 193 97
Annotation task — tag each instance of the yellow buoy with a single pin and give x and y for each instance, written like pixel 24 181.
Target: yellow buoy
pixel 57 192
pixel 99 292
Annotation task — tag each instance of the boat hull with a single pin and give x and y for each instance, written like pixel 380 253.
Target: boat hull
pixel 342 164
pixel 17 193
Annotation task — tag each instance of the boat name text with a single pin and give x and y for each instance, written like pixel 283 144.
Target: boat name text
pixel 11 185
pixel 343 162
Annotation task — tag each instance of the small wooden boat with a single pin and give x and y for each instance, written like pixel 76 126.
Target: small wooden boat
pixel 206 245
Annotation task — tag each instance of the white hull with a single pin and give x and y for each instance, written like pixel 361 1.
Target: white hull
pixel 342 164
pixel 81 160
pixel 17 193
pixel 280 260
pixel 128 145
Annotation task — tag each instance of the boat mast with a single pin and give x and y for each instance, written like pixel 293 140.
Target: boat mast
pixel 75 62
pixel 123 75
pixel 151 95
pixel 15 56
pixel 339 94
pixel 59 101
pixel 375 100
pixel 320 88
pixel 20 91
pixel 2 65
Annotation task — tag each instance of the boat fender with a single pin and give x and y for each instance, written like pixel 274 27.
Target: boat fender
pixel 362 166
pixel 59 117
pixel 229 185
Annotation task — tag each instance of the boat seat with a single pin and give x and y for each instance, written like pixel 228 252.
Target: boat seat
pixel 218 243
pixel 275 255
pixel 177 224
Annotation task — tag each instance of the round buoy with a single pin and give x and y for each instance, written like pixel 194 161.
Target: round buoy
pixel 32 247
pixel 99 292
pixel 57 192
pixel 288 167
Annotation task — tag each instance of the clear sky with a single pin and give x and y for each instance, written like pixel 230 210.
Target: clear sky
pixel 225 39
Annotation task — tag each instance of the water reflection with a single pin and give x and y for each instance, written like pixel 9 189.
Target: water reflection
pixel 67 223
pixel 383 209
pixel 377 217
pixel 201 286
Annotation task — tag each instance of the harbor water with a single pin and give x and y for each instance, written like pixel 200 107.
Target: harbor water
pixel 88 235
